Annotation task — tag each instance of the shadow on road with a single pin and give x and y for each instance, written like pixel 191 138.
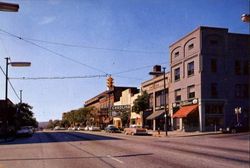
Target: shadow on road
pixel 52 137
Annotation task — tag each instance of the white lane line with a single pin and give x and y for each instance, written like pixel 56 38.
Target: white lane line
pixel 113 158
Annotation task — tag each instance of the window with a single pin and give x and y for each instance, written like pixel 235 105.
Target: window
pixel 178 95
pixel 237 68
pixel 213 42
pixel 190 68
pixel 213 65
pixel 191 46
pixel 241 91
pixel 159 98
pixel 151 101
pixel 177 74
pixel 191 91
pixel 214 90
pixel 176 54
pixel 246 67
pixel 214 108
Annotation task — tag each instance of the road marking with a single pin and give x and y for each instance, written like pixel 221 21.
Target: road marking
pixel 113 158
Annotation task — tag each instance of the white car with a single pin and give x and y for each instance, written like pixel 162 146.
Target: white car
pixel 25 131
pixel 93 128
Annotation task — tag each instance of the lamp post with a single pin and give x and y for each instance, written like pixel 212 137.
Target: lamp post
pixel 14 64
pixel 164 92
pixel 8 7
pixel 245 18
pixel 237 111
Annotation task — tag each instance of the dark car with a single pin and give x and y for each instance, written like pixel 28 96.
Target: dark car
pixel 112 129
pixel 236 128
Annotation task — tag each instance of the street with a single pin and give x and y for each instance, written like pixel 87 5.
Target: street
pixel 64 149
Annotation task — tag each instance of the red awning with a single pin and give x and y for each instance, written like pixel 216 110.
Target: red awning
pixel 185 110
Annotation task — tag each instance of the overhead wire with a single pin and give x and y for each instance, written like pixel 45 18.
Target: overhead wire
pixel 57 78
pixel 12 87
pixel 53 52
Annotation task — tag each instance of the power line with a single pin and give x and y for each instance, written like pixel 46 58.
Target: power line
pixel 96 48
pixel 58 78
pixel 136 69
pixel 10 84
pixel 53 52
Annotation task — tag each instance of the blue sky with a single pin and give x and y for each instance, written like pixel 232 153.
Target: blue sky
pixel 107 36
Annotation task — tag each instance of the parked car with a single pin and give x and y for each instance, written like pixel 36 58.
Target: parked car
pixel 80 128
pixel 135 130
pixel 59 128
pixel 25 131
pixel 93 128
pixel 112 129
pixel 239 127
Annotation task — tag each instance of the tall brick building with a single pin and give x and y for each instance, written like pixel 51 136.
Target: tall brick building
pixel 210 76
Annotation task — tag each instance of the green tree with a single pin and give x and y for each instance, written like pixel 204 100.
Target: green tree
pixel 141 103
pixel 24 116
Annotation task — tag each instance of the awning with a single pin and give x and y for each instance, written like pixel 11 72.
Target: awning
pixel 155 115
pixel 185 110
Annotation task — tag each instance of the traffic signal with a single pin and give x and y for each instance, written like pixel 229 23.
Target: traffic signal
pixel 110 82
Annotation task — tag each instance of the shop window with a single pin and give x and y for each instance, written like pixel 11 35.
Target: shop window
pixel 190 67
pixel 177 74
pixel 213 65
pixel 214 108
pixel 191 91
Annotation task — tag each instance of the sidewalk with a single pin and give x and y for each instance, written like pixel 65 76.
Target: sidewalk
pixel 181 133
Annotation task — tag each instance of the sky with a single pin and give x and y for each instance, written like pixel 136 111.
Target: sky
pixel 92 38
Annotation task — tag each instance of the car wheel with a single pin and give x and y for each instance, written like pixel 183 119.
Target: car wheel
pixel 233 131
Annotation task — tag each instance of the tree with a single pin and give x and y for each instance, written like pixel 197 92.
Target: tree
pixel 24 116
pixel 141 103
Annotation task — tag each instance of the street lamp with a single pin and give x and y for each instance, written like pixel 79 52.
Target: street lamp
pixel 8 7
pixel 245 18
pixel 15 64
pixel 164 92
pixel 237 111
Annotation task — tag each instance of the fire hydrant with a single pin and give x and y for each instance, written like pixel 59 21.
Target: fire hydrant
pixel 159 132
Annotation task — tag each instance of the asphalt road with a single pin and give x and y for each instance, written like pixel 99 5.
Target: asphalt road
pixel 94 150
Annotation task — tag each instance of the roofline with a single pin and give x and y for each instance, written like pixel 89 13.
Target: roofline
pixel 197 29
pixel 91 100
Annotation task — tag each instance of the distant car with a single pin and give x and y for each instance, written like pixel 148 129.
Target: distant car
pixel 80 128
pixel 93 128
pixel 25 131
pixel 135 130
pixel 236 128
pixel 72 128
pixel 112 129
pixel 59 128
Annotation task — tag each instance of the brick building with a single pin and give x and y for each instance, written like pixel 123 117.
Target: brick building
pixel 209 78
pixel 103 103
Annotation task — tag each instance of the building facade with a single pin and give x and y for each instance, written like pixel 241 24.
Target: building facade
pixel 155 88
pixel 125 106
pixel 103 104
pixel 209 78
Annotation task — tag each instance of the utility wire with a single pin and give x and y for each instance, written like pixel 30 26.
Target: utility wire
pixel 96 48
pixel 53 52
pixel 56 78
pixel 136 69
pixel 11 85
